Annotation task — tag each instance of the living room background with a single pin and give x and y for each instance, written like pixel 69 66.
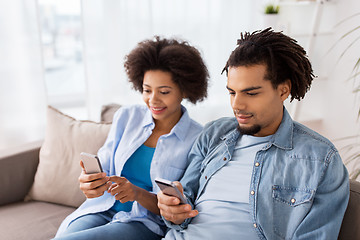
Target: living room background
pixel 70 53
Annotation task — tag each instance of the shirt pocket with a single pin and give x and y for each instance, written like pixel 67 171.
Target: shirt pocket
pixel 290 206
pixel 292 196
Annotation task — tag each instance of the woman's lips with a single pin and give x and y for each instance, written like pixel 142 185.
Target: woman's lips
pixel 157 110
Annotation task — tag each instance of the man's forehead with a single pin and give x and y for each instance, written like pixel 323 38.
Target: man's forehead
pixel 247 77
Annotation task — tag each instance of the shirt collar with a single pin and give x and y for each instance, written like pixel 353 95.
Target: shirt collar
pixel 183 125
pixel 180 129
pixel 283 137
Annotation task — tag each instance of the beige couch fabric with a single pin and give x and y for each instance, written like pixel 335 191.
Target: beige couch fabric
pixel 31 220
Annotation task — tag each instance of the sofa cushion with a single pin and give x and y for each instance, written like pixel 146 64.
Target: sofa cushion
pixel 56 179
pixel 108 111
pixel 17 168
pixel 349 228
pixel 31 220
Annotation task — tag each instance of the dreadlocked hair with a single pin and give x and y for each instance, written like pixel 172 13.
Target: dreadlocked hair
pixel 284 57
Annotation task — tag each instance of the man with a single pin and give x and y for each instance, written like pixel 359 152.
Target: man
pixel 261 175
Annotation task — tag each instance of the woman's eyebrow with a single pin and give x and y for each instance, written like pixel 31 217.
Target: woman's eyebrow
pixel 146 85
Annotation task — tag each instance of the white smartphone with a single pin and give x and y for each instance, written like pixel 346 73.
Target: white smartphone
pixel 169 188
pixel 91 163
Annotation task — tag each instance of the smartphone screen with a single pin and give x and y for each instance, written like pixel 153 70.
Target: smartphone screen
pixel 91 163
pixel 168 188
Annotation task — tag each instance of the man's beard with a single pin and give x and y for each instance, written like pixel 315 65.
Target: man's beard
pixel 249 130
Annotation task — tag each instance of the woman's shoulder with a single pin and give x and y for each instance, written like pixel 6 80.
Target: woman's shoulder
pixel 129 111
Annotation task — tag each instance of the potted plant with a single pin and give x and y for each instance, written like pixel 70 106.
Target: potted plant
pixel 271 15
pixel 272 9
pixel 351 151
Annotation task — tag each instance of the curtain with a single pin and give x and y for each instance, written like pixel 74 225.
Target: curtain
pixel 22 91
pixel 112 28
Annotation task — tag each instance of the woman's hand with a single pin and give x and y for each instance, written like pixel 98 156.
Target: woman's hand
pixel 93 185
pixel 123 189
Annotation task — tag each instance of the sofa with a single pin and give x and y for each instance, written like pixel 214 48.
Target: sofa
pixel 30 213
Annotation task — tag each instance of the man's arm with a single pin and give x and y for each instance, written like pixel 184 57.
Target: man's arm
pixel 331 199
pixel 175 215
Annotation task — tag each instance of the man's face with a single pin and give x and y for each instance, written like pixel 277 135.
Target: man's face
pixel 257 106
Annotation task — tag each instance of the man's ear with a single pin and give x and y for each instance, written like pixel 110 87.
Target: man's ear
pixel 284 89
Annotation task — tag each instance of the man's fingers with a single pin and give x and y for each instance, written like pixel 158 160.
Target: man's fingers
pixel 179 186
pixel 167 200
pixel 177 214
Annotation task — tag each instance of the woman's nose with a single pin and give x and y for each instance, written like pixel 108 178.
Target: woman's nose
pixel 153 98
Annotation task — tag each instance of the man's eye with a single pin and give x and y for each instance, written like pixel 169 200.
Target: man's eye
pixel 232 93
pixel 252 94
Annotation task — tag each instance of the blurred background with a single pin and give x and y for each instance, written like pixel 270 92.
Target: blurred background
pixel 70 54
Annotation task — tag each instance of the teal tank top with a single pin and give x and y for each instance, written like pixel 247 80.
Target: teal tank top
pixel 137 171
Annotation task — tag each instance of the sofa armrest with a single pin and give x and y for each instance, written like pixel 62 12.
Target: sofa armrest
pixel 17 170
pixel 351 222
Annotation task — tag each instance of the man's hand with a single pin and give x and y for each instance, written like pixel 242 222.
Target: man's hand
pixel 171 209
pixel 93 185
pixel 123 189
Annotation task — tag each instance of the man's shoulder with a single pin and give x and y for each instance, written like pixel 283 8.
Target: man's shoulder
pixel 220 127
pixel 304 136
pixel 225 123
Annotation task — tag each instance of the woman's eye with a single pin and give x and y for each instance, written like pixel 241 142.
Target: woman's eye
pixel 146 90
pixel 164 93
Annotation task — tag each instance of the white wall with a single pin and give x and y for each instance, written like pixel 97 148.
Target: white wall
pixel 341 108
pixel 340 114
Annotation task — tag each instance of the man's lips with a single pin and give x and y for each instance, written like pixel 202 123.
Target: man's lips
pixel 241 118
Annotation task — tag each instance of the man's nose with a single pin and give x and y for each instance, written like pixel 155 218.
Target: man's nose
pixel 238 103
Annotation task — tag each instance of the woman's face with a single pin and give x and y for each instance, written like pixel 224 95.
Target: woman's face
pixel 162 96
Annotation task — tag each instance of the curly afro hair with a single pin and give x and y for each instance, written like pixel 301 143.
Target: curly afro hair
pixel 283 56
pixel 177 57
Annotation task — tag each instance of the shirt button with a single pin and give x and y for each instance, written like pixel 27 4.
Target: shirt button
pixel 224 158
pixel 293 200
pixel 255 226
pixel 252 192
pixel 257 164
pixel 205 177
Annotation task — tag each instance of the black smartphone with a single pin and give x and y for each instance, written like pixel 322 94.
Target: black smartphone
pixel 169 188
pixel 91 163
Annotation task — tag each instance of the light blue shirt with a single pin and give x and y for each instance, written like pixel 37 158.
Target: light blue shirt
pixel 224 211
pixel 299 187
pixel 132 126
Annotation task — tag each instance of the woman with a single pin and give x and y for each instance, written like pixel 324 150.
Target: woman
pixel 144 142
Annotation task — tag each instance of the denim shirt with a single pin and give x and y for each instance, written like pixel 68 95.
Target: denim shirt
pixel 132 126
pixel 299 186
